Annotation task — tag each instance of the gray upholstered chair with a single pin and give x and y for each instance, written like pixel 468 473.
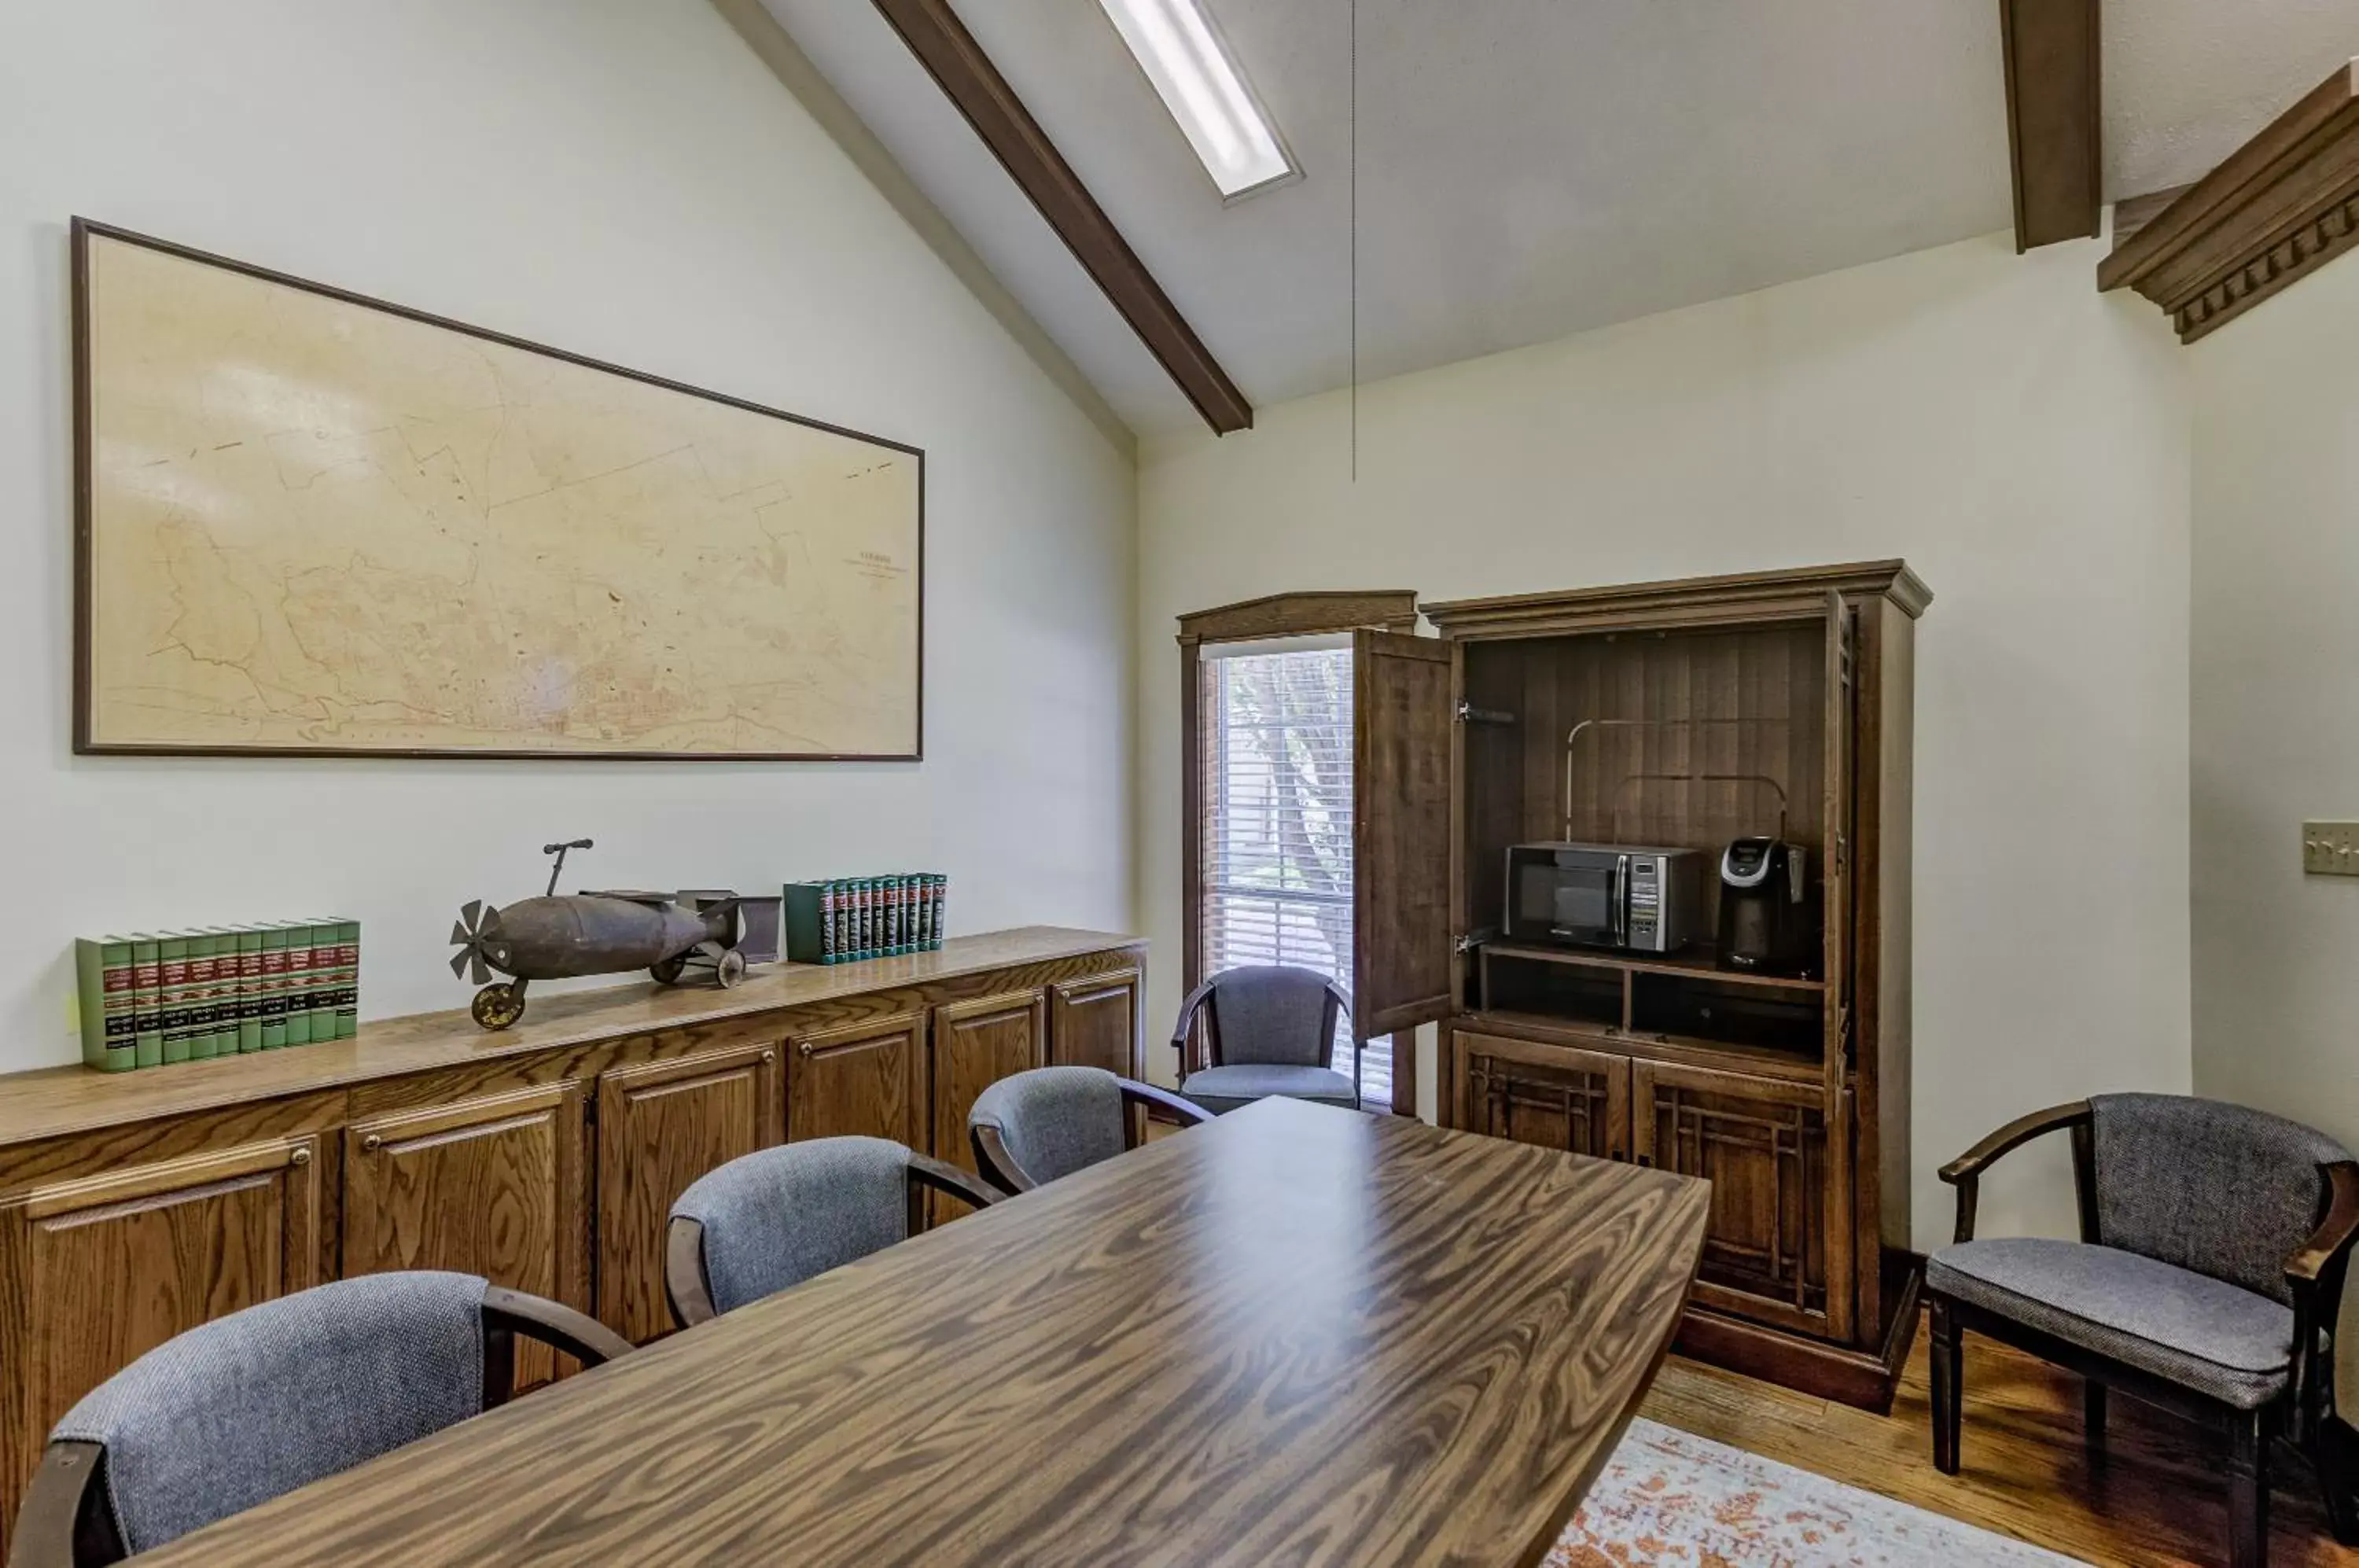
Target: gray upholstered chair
pixel 1267 1030
pixel 1034 1127
pixel 773 1219
pixel 2214 1244
pixel 250 1406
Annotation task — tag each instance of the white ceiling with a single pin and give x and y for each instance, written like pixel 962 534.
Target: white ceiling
pixel 1529 168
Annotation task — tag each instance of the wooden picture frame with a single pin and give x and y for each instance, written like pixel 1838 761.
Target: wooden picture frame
pixel 877 537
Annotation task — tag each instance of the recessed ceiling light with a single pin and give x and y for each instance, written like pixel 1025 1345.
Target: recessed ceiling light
pixel 1175 44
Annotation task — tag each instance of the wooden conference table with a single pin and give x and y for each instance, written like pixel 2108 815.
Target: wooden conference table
pixel 1296 1334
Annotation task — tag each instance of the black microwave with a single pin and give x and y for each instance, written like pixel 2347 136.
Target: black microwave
pixel 1636 898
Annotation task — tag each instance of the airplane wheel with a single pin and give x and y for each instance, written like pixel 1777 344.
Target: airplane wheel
pixel 731 969
pixel 668 973
pixel 496 1007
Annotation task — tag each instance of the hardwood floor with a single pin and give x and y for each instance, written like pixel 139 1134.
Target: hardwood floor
pixel 2159 1496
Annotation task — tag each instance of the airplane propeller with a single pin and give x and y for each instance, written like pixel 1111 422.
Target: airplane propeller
pixel 467 934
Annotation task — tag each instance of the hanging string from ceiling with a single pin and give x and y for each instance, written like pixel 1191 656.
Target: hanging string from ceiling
pixel 1354 161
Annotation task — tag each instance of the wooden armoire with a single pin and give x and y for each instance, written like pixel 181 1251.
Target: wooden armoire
pixel 1681 715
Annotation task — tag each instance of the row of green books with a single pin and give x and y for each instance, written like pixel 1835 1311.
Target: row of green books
pixel 184 995
pixel 849 918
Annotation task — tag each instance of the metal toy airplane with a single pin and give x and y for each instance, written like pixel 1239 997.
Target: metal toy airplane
pixel 605 932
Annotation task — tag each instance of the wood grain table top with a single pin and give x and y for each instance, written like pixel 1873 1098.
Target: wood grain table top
pixel 1297 1334
pixel 53 1101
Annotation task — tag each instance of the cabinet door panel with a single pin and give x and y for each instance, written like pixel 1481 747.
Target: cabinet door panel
pixel 95 1272
pixel 661 1125
pixel 1094 1022
pixel 976 1044
pixel 1762 1144
pixel 1404 733
pixel 859 1080
pixel 1554 1095
pixel 491 1186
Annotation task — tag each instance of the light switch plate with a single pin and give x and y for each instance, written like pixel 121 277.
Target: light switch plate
pixel 2329 849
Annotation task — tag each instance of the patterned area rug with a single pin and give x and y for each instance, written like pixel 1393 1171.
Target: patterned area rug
pixel 1670 1497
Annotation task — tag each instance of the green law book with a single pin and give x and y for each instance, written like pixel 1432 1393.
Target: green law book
pixel 147 1000
pixel 204 958
pixel 300 962
pixel 841 947
pixel 179 1006
pixel 249 988
pixel 348 979
pixel 863 899
pixel 901 922
pixel 941 901
pixel 926 943
pixel 223 1002
pixel 274 986
pixel 103 983
pixel 327 978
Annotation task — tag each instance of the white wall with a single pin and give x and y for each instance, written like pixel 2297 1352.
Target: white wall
pixel 623 179
pixel 2275 706
pixel 2020 438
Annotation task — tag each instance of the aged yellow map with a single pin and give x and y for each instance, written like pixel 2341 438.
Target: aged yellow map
pixel 315 525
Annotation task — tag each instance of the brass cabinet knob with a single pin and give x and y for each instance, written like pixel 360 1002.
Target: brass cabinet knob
pixel 805 1047
pixel 770 1055
pixel 372 1143
pixel 300 1155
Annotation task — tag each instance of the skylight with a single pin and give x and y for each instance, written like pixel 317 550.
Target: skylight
pixel 1175 44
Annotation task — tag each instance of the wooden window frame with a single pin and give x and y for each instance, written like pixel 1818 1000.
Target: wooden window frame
pixel 1273 615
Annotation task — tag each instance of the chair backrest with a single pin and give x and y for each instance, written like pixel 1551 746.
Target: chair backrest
pixel 253 1405
pixel 1054 1120
pixel 775 1218
pixel 2223 1190
pixel 1272 1016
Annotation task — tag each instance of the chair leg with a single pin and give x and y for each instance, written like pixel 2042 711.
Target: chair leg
pixel 2335 1455
pixel 2248 1491
pixel 2092 1416
pixel 1948 1387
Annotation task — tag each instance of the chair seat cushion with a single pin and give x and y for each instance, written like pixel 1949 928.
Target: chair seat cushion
pixel 1223 1089
pixel 2196 1331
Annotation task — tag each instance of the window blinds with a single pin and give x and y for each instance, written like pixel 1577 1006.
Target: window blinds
pixel 1278 817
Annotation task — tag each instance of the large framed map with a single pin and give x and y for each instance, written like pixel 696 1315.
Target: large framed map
pixel 309 522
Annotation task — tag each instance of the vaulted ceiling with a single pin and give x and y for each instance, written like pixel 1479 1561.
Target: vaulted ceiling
pixel 1529 168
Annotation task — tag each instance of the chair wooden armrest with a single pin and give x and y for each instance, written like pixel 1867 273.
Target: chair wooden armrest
pixel 1187 1112
pixel 1184 1029
pixel 553 1323
pixel 63 1522
pixel 2330 1243
pixel 944 1177
pixel 685 1286
pixel 1965 1171
pixel 2314 1275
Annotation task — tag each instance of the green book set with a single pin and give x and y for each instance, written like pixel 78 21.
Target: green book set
pixel 156 997
pixel 850 918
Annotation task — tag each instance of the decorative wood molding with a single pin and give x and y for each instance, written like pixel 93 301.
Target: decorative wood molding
pixel 1303 614
pixel 967 77
pixel 2280 206
pixel 2053 133
pixel 1799 591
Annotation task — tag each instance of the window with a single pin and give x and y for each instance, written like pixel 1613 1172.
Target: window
pixel 1276 829
pixel 1194 74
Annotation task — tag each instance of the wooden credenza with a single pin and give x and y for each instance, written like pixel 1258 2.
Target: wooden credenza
pixel 544 1158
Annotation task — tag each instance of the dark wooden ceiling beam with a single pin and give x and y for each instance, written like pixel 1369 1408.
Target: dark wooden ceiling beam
pixel 965 74
pixel 2053 137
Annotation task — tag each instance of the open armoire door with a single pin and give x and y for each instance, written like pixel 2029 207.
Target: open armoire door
pixel 1403 698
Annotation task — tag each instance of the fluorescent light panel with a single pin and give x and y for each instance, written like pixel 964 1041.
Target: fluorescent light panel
pixel 1176 45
